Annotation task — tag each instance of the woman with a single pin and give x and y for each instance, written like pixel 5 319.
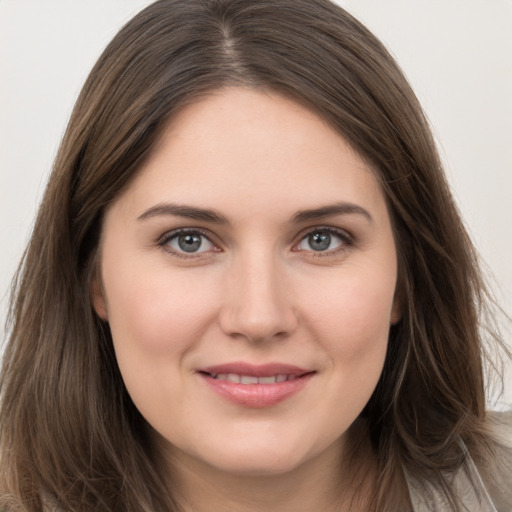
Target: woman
pixel 248 287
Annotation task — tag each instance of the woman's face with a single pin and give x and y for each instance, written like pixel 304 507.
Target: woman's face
pixel 248 276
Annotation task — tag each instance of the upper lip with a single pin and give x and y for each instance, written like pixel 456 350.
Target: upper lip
pixel 261 370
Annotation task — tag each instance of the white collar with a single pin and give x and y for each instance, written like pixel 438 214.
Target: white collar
pixel 467 484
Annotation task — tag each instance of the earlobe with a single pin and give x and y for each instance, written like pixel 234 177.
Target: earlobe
pixel 399 299
pixel 396 312
pixel 98 299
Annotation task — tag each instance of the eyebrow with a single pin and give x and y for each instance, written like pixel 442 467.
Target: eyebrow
pixel 188 212
pixel 342 208
pixel 208 215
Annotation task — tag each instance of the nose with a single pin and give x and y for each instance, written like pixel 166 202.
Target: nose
pixel 257 304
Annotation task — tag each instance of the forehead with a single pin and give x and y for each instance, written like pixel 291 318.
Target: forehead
pixel 258 149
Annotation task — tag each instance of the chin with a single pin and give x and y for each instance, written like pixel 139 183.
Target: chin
pixel 263 457
pixel 258 465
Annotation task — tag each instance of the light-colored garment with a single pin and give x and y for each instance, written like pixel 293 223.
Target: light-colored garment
pixel 468 486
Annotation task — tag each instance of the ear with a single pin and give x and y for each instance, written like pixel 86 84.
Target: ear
pixel 398 302
pixel 396 311
pixel 98 298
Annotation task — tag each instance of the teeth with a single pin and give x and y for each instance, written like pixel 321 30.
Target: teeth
pixel 247 379
pixel 251 379
pixel 267 380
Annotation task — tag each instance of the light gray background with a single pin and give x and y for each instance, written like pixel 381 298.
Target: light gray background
pixel 456 53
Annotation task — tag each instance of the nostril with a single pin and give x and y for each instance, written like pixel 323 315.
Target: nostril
pixel 257 317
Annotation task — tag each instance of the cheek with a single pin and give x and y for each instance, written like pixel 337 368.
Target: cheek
pixel 154 311
pixel 156 318
pixel 349 318
pixel 353 314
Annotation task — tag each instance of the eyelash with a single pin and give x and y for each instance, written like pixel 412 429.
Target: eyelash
pixel 168 237
pixel 346 239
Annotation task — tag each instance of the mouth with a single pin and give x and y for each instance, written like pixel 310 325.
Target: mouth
pixel 256 386
pixel 252 379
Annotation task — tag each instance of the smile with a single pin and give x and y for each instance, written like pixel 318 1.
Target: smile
pixel 256 386
pixel 251 379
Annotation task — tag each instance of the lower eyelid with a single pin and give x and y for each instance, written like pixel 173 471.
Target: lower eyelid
pixel 205 245
pixel 167 238
pixel 345 238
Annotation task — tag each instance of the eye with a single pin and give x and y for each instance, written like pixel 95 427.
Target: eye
pixel 323 240
pixel 183 242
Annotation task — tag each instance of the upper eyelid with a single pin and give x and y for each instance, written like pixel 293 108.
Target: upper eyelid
pixel 163 241
pixel 168 235
pixel 330 229
pixel 212 238
pixel 348 243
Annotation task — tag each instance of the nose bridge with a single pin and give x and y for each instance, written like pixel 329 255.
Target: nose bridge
pixel 258 305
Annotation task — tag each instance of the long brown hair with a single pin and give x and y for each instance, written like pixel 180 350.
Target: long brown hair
pixel 70 435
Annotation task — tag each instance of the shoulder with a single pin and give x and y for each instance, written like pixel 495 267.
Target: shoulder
pixel 483 483
pixel 496 472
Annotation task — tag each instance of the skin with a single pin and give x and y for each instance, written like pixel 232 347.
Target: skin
pixel 256 291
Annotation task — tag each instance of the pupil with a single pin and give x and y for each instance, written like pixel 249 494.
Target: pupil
pixel 320 241
pixel 189 243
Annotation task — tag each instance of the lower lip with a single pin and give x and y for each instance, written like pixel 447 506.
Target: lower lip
pixel 257 395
